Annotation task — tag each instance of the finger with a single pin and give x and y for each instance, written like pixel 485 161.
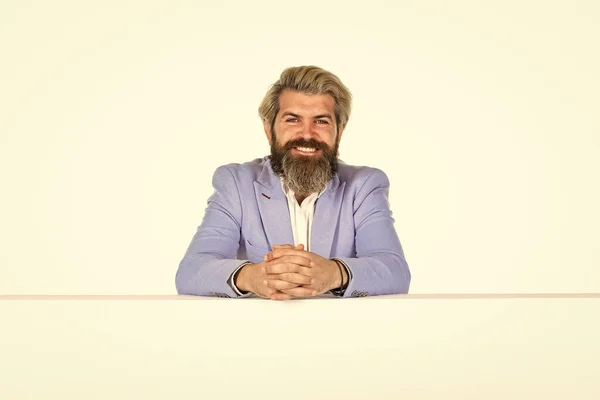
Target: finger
pixel 285 268
pixel 290 252
pixel 279 284
pixel 269 255
pixel 298 260
pixel 300 291
pixel 288 246
pixel 265 292
pixel 275 247
pixel 295 278
pixel 282 246
pixel 280 296
pixel 279 253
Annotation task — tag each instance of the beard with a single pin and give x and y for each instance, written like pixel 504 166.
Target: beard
pixel 304 174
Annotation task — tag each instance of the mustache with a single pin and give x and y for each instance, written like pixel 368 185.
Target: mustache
pixel 305 143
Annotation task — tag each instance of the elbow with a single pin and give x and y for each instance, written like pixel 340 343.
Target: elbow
pixel 180 280
pixel 405 279
pixel 186 278
pixel 402 274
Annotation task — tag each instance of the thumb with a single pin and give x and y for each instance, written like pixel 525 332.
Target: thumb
pixel 282 246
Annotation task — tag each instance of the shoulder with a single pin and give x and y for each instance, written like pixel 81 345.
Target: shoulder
pixel 358 176
pixel 240 171
pixel 364 183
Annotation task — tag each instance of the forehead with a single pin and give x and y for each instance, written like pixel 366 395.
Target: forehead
pixel 306 104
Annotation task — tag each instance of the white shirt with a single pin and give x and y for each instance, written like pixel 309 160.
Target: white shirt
pixel 301 217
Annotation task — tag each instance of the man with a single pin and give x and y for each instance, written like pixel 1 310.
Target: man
pixel 299 223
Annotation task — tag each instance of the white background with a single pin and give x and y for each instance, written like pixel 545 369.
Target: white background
pixel 484 115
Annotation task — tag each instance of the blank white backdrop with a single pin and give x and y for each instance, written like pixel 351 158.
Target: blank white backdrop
pixel 484 115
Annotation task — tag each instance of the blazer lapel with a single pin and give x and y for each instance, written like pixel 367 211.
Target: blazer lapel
pixel 326 218
pixel 273 207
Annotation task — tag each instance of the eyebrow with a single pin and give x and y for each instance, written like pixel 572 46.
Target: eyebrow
pixel 320 116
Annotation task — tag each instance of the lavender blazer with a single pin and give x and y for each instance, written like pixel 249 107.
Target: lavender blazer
pixel 248 213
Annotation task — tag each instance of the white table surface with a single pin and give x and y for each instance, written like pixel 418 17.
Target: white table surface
pixel 454 346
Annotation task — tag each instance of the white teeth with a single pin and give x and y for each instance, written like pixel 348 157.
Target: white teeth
pixel 306 149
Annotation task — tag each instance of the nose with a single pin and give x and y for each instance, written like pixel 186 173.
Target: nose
pixel 307 130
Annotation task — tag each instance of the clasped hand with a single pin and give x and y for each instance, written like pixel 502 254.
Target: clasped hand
pixel 289 271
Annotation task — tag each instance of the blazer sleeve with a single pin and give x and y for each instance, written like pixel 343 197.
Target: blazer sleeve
pixel 210 259
pixel 379 266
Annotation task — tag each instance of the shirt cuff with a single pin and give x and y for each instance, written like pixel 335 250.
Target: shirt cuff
pixel 231 281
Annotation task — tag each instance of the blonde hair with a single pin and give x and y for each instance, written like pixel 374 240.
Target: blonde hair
pixel 310 80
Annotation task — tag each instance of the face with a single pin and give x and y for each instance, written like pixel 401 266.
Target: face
pixel 304 118
pixel 304 141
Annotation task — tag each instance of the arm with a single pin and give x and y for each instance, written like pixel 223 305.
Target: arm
pixel 379 267
pixel 210 259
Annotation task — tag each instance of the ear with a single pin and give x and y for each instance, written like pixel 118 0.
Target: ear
pixel 267 128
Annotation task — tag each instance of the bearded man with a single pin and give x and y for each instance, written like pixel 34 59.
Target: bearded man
pixel 300 222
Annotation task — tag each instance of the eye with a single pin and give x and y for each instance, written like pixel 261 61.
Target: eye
pixel 291 119
pixel 322 121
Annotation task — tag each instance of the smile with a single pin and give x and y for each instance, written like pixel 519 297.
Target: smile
pixel 305 150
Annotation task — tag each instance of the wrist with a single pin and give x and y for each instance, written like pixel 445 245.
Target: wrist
pixel 336 282
pixel 342 278
pixel 241 279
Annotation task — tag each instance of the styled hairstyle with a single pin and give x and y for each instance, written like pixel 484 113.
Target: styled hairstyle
pixel 309 80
